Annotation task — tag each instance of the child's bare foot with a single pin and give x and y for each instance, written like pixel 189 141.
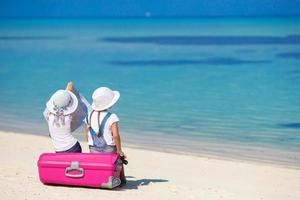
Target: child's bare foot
pixel 70 86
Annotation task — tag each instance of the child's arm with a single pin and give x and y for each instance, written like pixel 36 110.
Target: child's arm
pixel 87 129
pixel 117 139
pixel 70 86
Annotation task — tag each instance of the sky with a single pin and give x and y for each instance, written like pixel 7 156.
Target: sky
pixel 155 8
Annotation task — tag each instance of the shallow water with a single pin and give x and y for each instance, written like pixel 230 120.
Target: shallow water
pixel 216 80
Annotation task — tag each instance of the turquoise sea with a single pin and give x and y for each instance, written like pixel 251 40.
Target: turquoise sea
pixel 224 86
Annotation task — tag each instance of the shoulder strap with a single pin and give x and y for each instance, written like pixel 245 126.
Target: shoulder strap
pixel 89 118
pixel 102 125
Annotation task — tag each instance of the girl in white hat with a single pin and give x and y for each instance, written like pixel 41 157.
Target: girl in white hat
pixel 58 115
pixel 102 131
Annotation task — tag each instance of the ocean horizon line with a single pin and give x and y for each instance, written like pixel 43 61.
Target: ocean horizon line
pixel 152 17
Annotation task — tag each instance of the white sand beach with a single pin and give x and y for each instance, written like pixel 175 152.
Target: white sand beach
pixel 151 175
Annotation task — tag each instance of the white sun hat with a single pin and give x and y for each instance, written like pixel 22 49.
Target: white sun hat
pixel 104 98
pixel 63 102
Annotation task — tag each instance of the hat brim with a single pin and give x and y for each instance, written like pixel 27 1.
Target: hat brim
pixel 69 109
pixel 113 101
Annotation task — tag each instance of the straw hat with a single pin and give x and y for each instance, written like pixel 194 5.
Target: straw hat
pixel 63 102
pixel 104 98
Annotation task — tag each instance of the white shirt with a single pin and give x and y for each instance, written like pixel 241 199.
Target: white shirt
pixel 60 133
pixel 107 133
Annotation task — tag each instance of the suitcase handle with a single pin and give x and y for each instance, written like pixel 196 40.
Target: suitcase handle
pixel 74 166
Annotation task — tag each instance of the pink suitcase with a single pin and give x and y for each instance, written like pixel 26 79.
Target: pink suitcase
pixel 80 169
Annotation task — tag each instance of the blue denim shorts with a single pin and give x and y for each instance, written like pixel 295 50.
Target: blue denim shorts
pixel 107 149
pixel 74 149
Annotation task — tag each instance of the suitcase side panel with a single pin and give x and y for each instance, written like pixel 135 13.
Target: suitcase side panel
pixel 97 172
pixel 91 178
